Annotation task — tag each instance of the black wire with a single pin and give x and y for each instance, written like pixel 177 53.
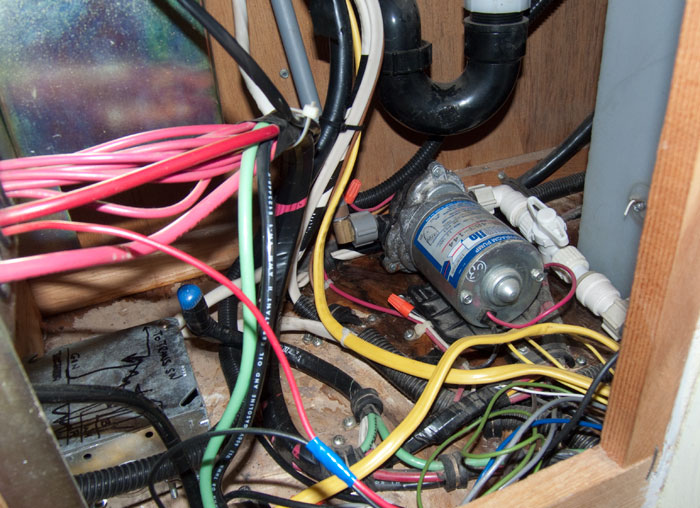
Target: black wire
pixel 489 361
pixel 587 398
pixel 241 56
pixel 339 83
pixel 363 496
pixel 267 214
pixel 270 499
pixel 205 437
pixel 138 403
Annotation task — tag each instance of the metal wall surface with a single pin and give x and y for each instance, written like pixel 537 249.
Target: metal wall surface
pixel 74 73
pixel 641 37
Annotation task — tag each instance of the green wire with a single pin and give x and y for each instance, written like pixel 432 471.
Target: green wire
pixel 505 451
pixel 371 433
pixel 492 402
pixel 454 438
pixel 518 468
pixel 405 456
pixel 250 334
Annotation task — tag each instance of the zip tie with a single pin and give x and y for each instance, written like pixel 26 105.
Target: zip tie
pixel 344 336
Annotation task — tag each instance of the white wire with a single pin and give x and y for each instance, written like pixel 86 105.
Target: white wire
pixel 240 19
pixel 346 254
pixel 373 35
pixel 363 430
pixel 547 394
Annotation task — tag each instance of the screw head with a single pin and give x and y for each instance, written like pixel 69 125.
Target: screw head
pixel 317 341
pixel 393 266
pixel 639 206
pixel 436 170
pixel 284 73
pixel 536 274
pixel 465 297
pixel 502 175
pixel 581 360
pixel 348 422
pixel 338 440
pixel 307 338
pixel 409 334
pixel 371 319
pixel 523 349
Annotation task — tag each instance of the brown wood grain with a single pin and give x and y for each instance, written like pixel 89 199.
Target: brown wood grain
pixel 587 480
pixel 665 302
pixel 554 94
pixel 73 290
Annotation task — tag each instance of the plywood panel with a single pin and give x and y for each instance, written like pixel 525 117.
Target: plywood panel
pixel 555 92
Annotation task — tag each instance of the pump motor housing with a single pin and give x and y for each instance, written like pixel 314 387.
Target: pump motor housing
pixel 472 258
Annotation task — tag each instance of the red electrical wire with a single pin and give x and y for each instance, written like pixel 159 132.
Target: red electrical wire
pixel 547 312
pixel 373 496
pixel 191 260
pixel 121 183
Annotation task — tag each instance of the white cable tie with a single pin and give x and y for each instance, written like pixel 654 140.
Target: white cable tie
pixel 344 336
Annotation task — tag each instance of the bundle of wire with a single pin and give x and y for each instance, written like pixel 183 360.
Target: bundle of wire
pixel 197 154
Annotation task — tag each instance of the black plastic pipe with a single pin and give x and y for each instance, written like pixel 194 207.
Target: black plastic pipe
pixel 559 156
pixel 494 47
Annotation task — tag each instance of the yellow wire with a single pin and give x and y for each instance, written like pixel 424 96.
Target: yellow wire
pixel 356 39
pixel 595 352
pixel 545 353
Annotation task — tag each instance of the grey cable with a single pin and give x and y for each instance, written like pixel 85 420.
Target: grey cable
pixel 538 456
pixel 296 52
pixel 516 439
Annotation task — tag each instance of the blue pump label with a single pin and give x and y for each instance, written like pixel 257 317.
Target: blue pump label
pixel 454 234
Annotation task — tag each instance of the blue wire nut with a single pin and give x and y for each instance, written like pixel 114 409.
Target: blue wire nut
pixel 331 461
pixel 189 295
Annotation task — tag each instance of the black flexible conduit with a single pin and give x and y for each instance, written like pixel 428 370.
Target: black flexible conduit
pixel 414 167
pixel 50 394
pixel 545 168
pixel 559 188
pixel 412 387
pixel 331 19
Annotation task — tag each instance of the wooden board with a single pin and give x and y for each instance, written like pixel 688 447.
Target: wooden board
pixel 554 94
pixel 589 479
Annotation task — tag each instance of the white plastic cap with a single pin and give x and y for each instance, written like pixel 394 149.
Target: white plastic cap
pixel 496 6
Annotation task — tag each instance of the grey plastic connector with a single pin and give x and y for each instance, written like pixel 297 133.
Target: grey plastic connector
pixel 364 224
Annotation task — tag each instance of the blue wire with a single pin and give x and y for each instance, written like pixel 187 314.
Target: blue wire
pixel 536 423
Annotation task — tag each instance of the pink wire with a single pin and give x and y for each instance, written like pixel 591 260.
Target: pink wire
pixel 161 169
pixel 374 208
pixel 200 265
pixel 61 261
pixel 547 312
pixel 171 132
pixel 124 210
pixel 364 303
pixel 70 175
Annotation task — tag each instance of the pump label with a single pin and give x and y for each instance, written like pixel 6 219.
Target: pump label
pixel 455 233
